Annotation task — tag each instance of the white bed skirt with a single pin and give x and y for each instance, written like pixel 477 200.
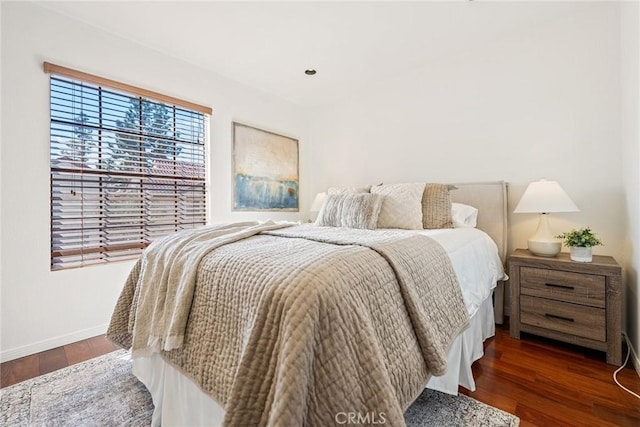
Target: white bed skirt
pixel 180 402
pixel 465 350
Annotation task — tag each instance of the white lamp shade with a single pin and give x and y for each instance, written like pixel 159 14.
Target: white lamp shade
pixel 543 197
pixel 317 202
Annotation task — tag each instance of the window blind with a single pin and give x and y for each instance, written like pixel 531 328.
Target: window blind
pixel 125 170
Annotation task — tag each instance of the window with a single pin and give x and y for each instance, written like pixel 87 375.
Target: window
pixel 127 166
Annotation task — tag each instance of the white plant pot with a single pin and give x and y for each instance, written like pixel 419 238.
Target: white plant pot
pixel 581 254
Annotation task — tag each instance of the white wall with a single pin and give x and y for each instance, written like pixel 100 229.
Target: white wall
pixel 538 102
pixel 43 309
pixel 1 226
pixel 545 101
pixel 630 117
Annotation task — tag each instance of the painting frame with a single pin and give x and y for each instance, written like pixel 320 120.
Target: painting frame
pixel 265 170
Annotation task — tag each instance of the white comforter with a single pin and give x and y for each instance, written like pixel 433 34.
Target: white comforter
pixel 475 259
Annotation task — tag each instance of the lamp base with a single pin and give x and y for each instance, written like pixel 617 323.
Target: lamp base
pixel 544 248
pixel 543 243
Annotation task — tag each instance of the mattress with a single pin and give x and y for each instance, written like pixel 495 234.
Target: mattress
pixel 474 256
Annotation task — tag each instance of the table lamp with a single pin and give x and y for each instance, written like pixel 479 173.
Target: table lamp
pixel 317 203
pixel 544 197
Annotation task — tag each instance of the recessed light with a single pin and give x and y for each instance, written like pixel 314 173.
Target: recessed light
pixel 310 72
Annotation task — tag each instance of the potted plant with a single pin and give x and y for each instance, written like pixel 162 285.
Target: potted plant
pixel 580 243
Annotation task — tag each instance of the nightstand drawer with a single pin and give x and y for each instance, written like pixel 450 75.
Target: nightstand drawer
pixel 588 289
pixel 574 319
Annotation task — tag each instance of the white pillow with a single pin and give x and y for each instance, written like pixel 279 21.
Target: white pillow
pixel 464 216
pixel 402 205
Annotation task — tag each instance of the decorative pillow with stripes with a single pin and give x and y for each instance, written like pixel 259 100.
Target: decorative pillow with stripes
pixel 353 210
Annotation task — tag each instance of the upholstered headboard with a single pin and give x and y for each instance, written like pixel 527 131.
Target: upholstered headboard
pixel 490 198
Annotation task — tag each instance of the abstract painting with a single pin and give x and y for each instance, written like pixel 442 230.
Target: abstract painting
pixel 265 170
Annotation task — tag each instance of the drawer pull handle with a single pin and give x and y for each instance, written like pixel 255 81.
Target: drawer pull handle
pixel 553 316
pixel 553 285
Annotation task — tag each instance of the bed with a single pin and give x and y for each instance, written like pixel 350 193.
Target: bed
pixel 312 361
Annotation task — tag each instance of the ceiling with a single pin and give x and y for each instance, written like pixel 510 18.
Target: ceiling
pixel 269 45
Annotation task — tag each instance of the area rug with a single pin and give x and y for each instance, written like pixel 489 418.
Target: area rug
pixel 103 392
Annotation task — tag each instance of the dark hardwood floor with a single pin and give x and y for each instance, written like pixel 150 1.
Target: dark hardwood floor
pixel 24 368
pixel 543 382
pixel 548 383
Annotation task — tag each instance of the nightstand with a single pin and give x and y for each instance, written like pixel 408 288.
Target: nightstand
pixel 569 301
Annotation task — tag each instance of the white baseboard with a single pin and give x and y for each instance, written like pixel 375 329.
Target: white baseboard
pixel 50 343
pixel 634 355
pixel 635 361
pixel 636 364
